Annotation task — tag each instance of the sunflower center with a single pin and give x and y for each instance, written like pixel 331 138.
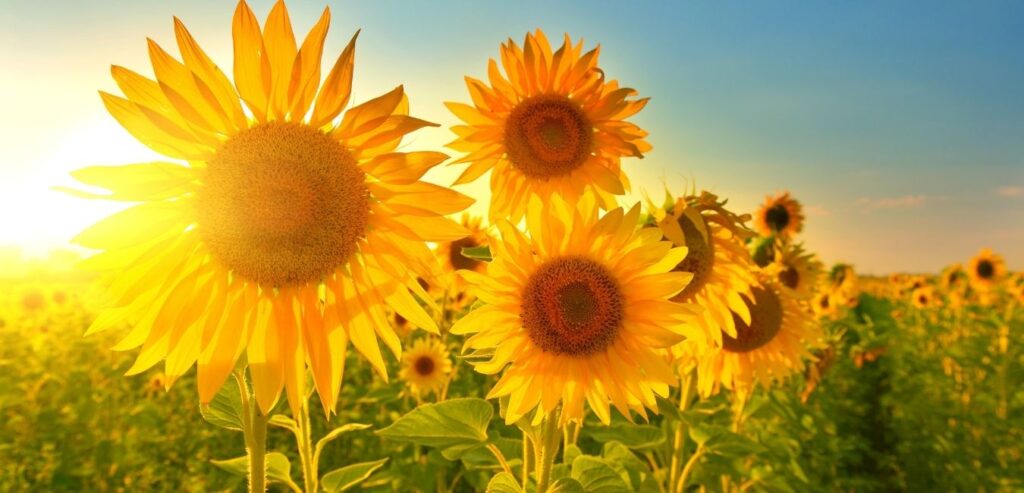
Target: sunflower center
pixel 424 366
pixel 777 217
pixel 548 136
pixel 765 323
pixel 460 261
pixel 282 204
pixel 986 270
pixel 790 277
pixel 572 306
pixel 700 257
pixel 824 302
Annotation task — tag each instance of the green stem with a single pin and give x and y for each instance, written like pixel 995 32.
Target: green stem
pixel 526 460
pixel 550 439
pixel 501 458
pixel 679 441
pixel 255 431
pixel 688 470
pixel 310 466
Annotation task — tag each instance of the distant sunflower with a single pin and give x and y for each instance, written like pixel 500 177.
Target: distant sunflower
pixel 953 277
pixel 796 270
pixel 549 125
pixel 287 232
pixel 923 297
pixel 425 366
pixel 986 270
pixel 577 312
pixel 33 300
pixel 721 266
pixel 844 284
pixel 780 216
pixel 452 259
pixel 824 304
pixel 771 347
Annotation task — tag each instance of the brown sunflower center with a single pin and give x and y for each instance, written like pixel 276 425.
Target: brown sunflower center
pixel 548 136
pixel 424 366
pixel 765 323
pixel 790 277
pixel 572 306
pixel 823 302
pixel 922 299
pixel 777 217
pixel 986 270
pixel 700 257
pixel 460 261
pixel 282 204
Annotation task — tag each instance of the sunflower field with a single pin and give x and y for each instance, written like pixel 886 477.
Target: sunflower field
pixel 287 304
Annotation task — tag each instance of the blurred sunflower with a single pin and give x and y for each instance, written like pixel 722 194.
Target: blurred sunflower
pixel 288 231
pixel 796 270
pixel 953 277
pixel 844 285
pixel 33 300
pixel 780 216
pixel 425 366
pixel 721 266
pixel 452 259
pixel 550 125
pixel 769 348
pixel 823 304
pixel 923 297
pixel 986 270
pixel 578 312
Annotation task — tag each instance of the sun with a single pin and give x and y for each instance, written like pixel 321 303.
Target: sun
pixel 580 317
pixel 281 226
pixel 548 124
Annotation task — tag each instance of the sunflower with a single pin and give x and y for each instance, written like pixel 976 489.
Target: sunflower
pixel 772 346
pixel 796 270
pixel 721 266
pixel 923 297
pixel 953 277
pixel 577 312
pixel 425 366
pixel 780 216
pixel 844 285
pixel 824 304
pixel 549 125
pixel 452 260
pixel 289 229
pixel 986 270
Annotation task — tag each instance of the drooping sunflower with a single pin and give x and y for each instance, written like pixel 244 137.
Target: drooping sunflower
pixel 425 366
pixel 722 269
pixel 578 311
pixel 452 260
pixel 986 270
pixel 923 297
pixel 549 125
pixel 780 216
pixel 279 230
pixel 773 345
pixel 844 284
pixel 796 270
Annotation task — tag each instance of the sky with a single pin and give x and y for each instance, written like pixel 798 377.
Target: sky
pixel 900 126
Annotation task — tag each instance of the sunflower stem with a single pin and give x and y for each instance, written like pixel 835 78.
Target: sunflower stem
pixel 310 467
pixel 679 443
pixel 550 439
pixel 255 432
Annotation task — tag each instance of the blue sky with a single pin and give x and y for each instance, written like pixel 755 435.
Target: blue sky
pixel 900 126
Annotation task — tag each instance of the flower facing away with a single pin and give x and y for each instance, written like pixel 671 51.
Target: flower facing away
pixel 549 125
pixel 780 216
pixel 986 270
pixel 288 230
pixel 772 346
pixel 425 366
pixel 578 311
pixel 721 266
pixel 796 269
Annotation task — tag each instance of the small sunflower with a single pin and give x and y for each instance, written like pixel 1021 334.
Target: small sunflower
pixel 452 259
pixel 844 284
pixel 33 300
pixel 721 266
pixel 824 304
pixel 549 125
pixel 796 270
pixel 425 366
pixel 986 270
pixel 923 297
pixel 288 229
pixel 578 311
pixel 953 278
pixel 780 216
pixel 771 347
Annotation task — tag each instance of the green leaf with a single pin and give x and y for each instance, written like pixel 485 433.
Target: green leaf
pixel 337 432
pixel 596 476
pixel 625 462
pixel 668 409
pixel 351 475
pixel 504 483
pixel 454 426
pixel 731 444
pixel 225 410
pixel 632 436
pixel 279 468
pixel 282 421
pixel 482 253
pixel 566 485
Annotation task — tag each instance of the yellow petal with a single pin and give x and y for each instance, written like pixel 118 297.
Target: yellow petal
pixel 336 88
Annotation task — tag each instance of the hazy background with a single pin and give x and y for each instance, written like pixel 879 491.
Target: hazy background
pixel 900 127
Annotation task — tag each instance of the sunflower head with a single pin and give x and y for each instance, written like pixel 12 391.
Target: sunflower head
pixel 33 300
pixel 953 277
pixel 547 123
pixel 577 312
pixel 451 259
pixel 986 270
pixel 780 216
pixel 426 366
pixel 923 297
pixel 796 270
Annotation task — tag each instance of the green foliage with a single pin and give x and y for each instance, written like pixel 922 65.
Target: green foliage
pixel 347 477
pixel 455 427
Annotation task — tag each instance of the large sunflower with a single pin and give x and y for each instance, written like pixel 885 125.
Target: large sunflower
pixel 780 216
pixel 986 270
pixel 796 269
pixel 577 312
pixel 287 231
pixel 721 266
pixel 769 348
pixel 549 125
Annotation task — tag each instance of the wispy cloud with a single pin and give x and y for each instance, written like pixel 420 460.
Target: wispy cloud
pixel 903 202
pixel 1010 191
